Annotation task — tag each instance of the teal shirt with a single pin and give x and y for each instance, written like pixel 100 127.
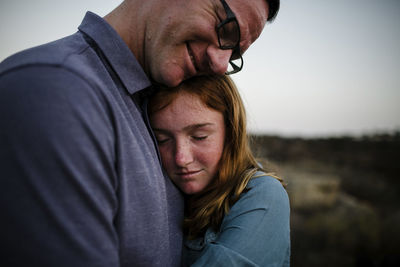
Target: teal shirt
pixel 255 232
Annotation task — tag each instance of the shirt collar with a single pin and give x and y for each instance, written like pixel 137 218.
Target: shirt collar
pixel 116 51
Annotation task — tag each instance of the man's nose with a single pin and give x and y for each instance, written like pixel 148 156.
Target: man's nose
pixel 218 59
pixel 183 154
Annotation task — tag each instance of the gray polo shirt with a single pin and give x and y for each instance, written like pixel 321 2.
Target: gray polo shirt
pixel 81 182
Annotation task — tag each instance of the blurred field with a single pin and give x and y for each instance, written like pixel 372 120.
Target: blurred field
pixel 344 196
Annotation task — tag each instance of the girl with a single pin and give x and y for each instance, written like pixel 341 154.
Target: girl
pixel 235 214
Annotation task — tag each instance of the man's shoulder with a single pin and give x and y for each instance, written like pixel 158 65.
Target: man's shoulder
pixel 55 53
pixel 58 64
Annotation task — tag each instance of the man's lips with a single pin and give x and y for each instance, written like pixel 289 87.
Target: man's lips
pixel 192 57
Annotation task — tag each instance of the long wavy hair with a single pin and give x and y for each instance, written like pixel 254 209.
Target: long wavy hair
pixel 237 164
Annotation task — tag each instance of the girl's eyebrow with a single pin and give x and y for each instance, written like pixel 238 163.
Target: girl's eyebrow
pixel 159 130
pixel 196 126
pixel 187 128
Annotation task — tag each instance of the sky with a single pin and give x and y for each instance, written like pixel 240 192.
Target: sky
pixel 322 68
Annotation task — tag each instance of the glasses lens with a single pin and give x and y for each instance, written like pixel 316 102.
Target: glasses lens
pixel 235 65
pixel 228 34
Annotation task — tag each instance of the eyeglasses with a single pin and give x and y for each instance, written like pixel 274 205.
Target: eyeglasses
pixel 228 33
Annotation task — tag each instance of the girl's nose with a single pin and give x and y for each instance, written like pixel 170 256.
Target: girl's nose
pixel 183 154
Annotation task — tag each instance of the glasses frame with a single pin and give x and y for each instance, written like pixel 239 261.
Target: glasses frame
pixel 230 16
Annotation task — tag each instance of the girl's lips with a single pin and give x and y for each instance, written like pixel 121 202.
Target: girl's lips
pixel 189 174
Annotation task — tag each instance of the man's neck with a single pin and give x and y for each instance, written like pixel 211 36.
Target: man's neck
pixel 129 20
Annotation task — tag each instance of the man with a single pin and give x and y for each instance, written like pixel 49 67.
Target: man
pixel 81 183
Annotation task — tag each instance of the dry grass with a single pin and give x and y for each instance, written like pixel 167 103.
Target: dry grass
pixel 344 197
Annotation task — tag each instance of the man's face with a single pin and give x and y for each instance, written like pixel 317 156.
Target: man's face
pixel 182 41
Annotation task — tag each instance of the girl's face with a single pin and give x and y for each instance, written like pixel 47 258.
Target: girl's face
pixel 191 140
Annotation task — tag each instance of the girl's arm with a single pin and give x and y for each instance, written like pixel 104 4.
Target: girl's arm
pixel 256 231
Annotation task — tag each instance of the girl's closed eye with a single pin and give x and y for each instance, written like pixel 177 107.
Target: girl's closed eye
pixel 199 138
pixel 161 139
